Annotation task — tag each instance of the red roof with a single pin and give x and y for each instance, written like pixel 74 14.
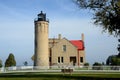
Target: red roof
pixel 78 43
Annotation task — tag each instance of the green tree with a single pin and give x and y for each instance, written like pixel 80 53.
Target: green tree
pixel 113 60
pixel 106 13
pixel 118 49
pixel 10 61
pixel 25 63
pixel 32 58
pixel 97 64
pixel 0 63
pixel 116 61
pixel 86 64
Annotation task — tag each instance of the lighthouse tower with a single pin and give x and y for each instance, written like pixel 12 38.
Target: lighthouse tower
pixel 41 57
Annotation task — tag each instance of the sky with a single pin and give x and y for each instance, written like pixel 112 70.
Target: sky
pixel 17 29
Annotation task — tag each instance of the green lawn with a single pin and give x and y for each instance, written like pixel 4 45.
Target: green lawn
pixel 59 76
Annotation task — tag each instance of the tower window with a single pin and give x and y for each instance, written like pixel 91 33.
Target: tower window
pixel 64 48
pixel 81 59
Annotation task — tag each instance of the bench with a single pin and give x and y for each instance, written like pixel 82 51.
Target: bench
pixel 67 70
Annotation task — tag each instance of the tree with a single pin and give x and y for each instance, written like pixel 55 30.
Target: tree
pixel 118 48
pixel 86 64
pixel 32 58
pixel 25 63
pixel 97 66
pixel 113 60
pixel 116 61
pixel 10 61
pixel 0 63
pixel 106 13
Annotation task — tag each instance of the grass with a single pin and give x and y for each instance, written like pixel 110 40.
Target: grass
pixel 59 76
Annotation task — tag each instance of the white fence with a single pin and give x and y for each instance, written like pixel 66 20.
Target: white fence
pixel 58 68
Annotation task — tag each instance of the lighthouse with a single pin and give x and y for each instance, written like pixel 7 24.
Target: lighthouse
pixel 41 57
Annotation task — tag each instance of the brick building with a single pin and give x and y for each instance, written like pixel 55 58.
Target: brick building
pixel 66 52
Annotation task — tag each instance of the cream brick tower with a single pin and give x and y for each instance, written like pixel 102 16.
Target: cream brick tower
pixel 41 41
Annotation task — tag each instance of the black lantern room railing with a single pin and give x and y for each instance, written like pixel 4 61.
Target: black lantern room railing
pixel 41 17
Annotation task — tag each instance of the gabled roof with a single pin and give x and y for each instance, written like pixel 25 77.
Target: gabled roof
pixel 78 43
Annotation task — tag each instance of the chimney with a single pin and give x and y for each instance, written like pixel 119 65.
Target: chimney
pixel 59 36
pixel 82 36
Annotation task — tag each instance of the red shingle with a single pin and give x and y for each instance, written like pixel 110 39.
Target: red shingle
pixel 78 43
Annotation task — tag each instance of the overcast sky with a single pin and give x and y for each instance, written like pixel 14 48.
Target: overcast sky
pixel 17 29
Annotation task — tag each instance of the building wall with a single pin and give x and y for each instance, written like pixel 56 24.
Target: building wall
pixel 71 51
pixel 82 54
